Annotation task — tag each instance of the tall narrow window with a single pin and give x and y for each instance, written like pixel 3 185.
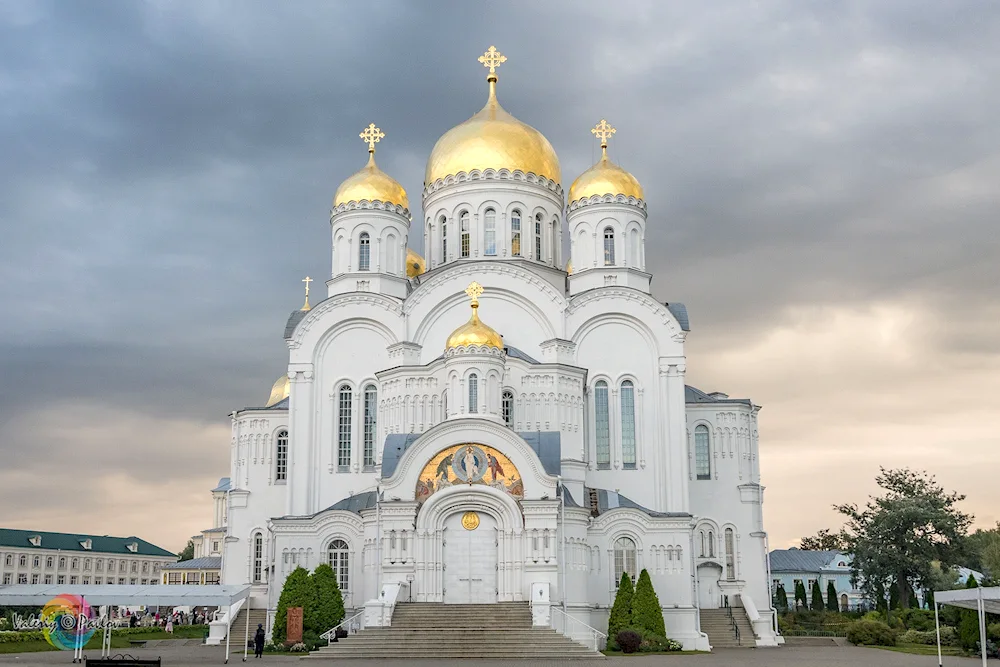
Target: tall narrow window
pixel 281 457
pixel 364 252
pixel 603 424
pixel 464 229
pixel 515 233
pixel 628 424
pixel 507 406
pixel 538 237
pixel 624 559
pixel 609 247
pixel 339 558
pixel 344 428
pixel 371 405
pixel 554 242
pixel 702 461
pixel 258 558
pixel 730 555
pixel 701 553
pixel 444 403
pixel 711 544
pixel 490 232
pixel 473 393
pixel 444 238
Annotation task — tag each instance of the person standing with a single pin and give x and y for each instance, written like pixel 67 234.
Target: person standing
pixel 258 641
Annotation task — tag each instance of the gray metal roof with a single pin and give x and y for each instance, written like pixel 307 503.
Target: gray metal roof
pixel 800 560
pixel 680 311
pixel 546 444
pixel 609 500
pixel 293 321
pixel 694 395
pixel 203 563
pixel 519 354
pixel 223 485
pixel 568 498
pixel 355 503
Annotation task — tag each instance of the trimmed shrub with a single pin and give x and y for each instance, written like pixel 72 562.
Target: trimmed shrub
pixel 831 597
pixel 917 619
pixel 780 599
pixel 968 625
pixel 800 596
pixel 993 631
pixel 870 633
pixel 621 611
pixel 816 604
pixel 295 593
pixel 628 640
pixel 652 643
pixel 647 615
pixel 326 603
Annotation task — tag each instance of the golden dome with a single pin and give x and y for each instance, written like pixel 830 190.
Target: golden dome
pixel 279 391
pixel 492 139
pixel 605 177
pixel 569 267
pixel 415 264
pixel 474 332
pixel 371 184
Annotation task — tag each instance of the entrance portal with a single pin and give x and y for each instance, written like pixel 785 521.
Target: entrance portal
pixel 709 593
pixel 470 558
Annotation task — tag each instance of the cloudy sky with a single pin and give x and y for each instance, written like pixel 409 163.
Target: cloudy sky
pixel 822 187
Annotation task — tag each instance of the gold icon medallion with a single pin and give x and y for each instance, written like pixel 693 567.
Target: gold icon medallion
pixel 470 521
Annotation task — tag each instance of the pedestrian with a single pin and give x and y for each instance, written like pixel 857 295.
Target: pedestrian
pixel 258 641
pixel 170 625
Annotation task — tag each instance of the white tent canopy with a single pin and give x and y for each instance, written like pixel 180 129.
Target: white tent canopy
pixel 983 600
pixel 126 596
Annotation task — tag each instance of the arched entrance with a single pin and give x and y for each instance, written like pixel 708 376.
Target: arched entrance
pixel 470 558
pixel 709 591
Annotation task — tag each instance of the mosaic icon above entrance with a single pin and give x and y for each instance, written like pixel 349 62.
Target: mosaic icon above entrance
pixel 470 521
pixel 469 464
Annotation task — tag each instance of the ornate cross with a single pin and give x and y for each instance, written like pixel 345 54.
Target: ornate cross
pixel 603 131
pixel 492 59
pixel 474 290
pixel 372 135
pixel 306 305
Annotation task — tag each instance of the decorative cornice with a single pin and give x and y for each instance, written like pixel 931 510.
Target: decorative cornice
pixel 619 294
pixel 458 269
pixel 365 205
pixel 607 199
pixel 323 307
pixel 493 175
pixel 466 350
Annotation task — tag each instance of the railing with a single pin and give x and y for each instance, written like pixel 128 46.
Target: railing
pixel 577 630
pixel 330 634
pixel 732 620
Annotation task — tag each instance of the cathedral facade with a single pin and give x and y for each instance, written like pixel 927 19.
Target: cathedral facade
pixel 495 418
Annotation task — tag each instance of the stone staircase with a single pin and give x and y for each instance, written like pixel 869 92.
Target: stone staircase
pixel 716 624
pixel 435 630
pixel 239 626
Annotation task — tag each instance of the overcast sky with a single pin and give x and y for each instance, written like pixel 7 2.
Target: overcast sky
pixel 822 181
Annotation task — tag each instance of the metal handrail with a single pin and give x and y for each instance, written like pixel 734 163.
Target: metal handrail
pixel 329 634
pixel 595 636
pixel 736 628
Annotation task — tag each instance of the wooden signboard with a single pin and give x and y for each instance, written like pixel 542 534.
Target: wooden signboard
pixel 294 626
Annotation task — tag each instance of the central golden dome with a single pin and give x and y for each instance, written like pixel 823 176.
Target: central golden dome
pixel 474 332
pixel 492 139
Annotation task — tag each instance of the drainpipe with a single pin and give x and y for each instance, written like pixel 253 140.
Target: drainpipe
pixel 694 585
pixel 562 545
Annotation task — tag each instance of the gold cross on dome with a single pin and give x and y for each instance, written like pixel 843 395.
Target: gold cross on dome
pixel 372 135
pixel 474 290
pixel 306 305
pixel 603 131
pixel 492 59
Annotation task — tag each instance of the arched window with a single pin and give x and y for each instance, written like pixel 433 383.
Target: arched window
pixel 628 424
pixel 624 559
pixel 538 237
pixel 490 231
pixel 702 460
pixel 711 544
pixel 701 553
pixel 633 242
pixel 281 457
pixel 554 241
pixel 507 407
pixel 473 393
pixel 371 405
pixel 364 252
pixel 463 221
pixel 730 555
pixel 258 558
pixel 515 233
pixel 48 561
pixel 845 604
pixel 603 424
pixel 22 561
pixel 344 428
pixel 609 246
pixel 339 558
pixel 62 564
pixel 444 238
pixel 444 403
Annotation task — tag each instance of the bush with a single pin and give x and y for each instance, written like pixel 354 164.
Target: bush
pixel 781 599
pixel 993 631
pixel 816 604
pixel 800 596
pixel 629 641
pixel 919 637
pixel 647 615
pixel 653 643
pixel 295 593
pixel 326 602
pixel 831 597
pixel 917 619
pixel 621 611
pixel 870 633
pixel 299 648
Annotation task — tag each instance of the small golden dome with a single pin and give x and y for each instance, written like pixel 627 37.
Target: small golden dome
pixel 474 332
pixel 569 267
pixel 279 391
pixel 415 264
pixel 605 177
pixel 371 184
pixel 492 139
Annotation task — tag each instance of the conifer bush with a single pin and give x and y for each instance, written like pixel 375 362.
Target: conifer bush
pixel 781 599
pixel 295 593
pixel 326 602
pixel 647 615
pixel 800 595
pixel 816 604
pixel 831 597
pixel 621 612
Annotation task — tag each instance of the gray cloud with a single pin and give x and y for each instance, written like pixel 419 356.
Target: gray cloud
pixel 816 175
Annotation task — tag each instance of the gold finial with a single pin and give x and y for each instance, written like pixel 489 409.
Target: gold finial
pixel 306 306
pixel 603 131
pixel 492 59
pixel 372 135
pixel 474 290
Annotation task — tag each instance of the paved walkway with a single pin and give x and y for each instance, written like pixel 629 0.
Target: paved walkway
pixel 848 656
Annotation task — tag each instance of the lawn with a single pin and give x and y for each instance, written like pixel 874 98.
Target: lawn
pixel 118 640
pixel 924 649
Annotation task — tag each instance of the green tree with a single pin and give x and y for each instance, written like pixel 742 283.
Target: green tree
pixel 800 595
pixel 295 593
pixel 816 603
pixel 824 540
pixel 647 614
pixel 831 596
pixel 968 625
pixel 895 537
pixel 621 611
pixel 326 603
pixel 977 544
pixel 780 598
pixel 187 553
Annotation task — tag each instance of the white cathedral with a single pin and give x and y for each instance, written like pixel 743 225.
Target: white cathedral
pixel 493 422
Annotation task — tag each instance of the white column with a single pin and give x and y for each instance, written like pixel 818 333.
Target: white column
pixel 677 468
pixel 301 455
